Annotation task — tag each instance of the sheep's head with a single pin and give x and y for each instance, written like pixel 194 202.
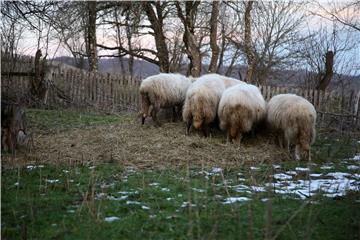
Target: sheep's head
pixel 303 150
pixel 197 122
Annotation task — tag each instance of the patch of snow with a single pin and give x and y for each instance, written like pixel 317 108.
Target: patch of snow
pixel 282 176
pixel 276 166
pixel 258 189
pixel 65 171
pixel 16 184
pixel 216 170
pixel 241 179
pixel 338 175
pixel 165 189
pixel 198 190
pixel 111 219
pixel 179 195
pixel 301 169
pixel 117 198
pixel 52 180
pixel 145 207
pixel 133 202
pixel 235 199
pixel 315 174
pixel 154 184
pixel 353 167
pixel 41 166
pixel 30 167
pixel 152 216
pixel 356 157
pixel 187 204
pixel 92 167
pixel 254 168
pixel 264 199
pixel 71 211
pixel 128 193
pixel 291 172
pixel 326 167
pixel 169 198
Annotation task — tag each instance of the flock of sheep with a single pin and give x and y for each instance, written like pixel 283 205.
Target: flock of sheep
pixel 238 106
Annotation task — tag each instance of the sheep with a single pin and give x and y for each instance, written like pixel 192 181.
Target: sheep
pixel 240 107
pixel 294 117
pixel 202 99
pixel 162 91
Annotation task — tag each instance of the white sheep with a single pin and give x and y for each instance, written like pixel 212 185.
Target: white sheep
pixel 163 91
pixel 202 99
pixel 294 117
pixel 240 107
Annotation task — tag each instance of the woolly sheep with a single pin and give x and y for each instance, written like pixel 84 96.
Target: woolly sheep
pixel 295 118
pixel 162 91
pixel 202 99
pixel 240 107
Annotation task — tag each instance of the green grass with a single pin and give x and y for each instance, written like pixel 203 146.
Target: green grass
pixel 75 206
pixel 43 210
pixel 46 121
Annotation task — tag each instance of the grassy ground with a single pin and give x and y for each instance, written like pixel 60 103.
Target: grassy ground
pixel 87 169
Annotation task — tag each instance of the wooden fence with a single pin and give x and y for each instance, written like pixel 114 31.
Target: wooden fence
pixel 113 92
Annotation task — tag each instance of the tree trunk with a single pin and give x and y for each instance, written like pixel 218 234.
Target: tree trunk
pixel 248 42
pixel 213 36
pixel 91 36
pixel 192 49
pixel 156 21
pixel 325 78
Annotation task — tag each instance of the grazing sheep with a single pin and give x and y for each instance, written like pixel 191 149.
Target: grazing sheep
pixel 202 99
pixel 240 107
pixel 162 91
pixel 295 118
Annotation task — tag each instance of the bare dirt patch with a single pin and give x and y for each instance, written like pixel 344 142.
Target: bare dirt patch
pixel 130 144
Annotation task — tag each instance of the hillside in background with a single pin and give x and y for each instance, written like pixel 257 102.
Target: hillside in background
pixel 281 78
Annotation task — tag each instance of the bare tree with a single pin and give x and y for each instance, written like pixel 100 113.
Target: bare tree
pixel 157 25
pixel 91 35
pixel 213 36
pixel 248 42
pixel 189 38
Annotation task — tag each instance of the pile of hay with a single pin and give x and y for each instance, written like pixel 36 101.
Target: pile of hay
pixel 129 144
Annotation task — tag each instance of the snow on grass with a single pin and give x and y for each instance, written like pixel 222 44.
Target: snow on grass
pixel 291 172
pixel 315 175
pixel 187 204
pixel 301 169
pixel 254 168
pixel 326 167
pixel 353 167
pixel 111 219
pixel 198 190
pixel 52 180
pixel 235 199
pixel 282 176
pixel 154 184
pixel 356 157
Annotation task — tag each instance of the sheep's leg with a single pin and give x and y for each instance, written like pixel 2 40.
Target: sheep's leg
pixel 154 117
pixel 228 138
pixel 188 126
pixel 206 130
pixel 237 139
pixel 179 111
pixel 174 115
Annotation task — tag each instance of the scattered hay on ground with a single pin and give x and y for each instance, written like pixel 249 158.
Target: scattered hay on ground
pixel 130 144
